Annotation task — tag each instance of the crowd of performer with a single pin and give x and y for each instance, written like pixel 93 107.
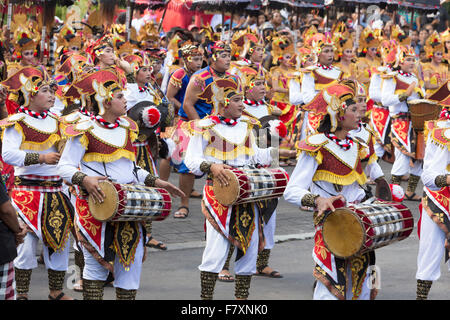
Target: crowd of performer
pixel 129 107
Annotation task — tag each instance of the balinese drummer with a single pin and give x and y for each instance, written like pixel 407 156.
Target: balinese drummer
pixel 399 87
pixel 98 149
pixel 29 141
pixel 329 168
pixel 236 224
pixel 434 223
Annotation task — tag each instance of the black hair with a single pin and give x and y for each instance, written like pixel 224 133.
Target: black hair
pixel 325 125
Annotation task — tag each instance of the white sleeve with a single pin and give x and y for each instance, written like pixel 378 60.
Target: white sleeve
pixel 295 94
pixel 388 96
pixel 194 154
pixel 375 88
pixel 69 162
pixel 308 88
pixel 130 95
pixel 434 164
pixel 373 171
pixel 301 179
pixel 11 153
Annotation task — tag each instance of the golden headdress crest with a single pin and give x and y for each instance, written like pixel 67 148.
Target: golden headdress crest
pixel 434 44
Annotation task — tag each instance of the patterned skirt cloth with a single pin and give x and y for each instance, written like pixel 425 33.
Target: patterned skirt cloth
pixel 7 281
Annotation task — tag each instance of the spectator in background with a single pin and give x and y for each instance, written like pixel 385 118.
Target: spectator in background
pixel 414 35
pixel 277 20
pixel 261 19
pixel 423 36
pixel 443 18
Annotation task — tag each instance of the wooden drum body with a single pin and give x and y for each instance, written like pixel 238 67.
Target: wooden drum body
pixel 357 229
pixel 128 202
pixel 422 110
pixel 251 185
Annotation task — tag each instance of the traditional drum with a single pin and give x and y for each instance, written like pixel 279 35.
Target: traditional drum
pixel 359 228
pixel 422 110
pixel 128 202
pixel 251 185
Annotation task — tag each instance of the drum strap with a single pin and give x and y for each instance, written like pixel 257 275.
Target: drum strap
pixel 99 173
pixel 324 189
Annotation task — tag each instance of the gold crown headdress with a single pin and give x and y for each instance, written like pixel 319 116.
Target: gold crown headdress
pixel 148 32
pixel 369 39
pixel 433 45
pixel 281 45
pixel 399 36
pixel 68 37
pixel 26 37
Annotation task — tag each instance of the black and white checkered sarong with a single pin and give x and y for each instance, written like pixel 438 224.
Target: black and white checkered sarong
pixel 7 283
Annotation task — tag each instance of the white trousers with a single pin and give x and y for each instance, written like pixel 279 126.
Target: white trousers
pixel 402 166
pixel 269 231
pixel 321 292
pixel 431 249
pixel 26 255
pixel 125 279
pixel 216 252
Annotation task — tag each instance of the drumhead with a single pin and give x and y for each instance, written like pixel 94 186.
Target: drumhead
pixel 343 233
pixel 105 211
pixel 227 195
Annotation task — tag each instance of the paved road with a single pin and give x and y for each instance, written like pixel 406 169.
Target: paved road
pixel 173 274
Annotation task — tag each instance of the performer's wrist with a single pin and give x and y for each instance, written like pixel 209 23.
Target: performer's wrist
pixel 402 97
pixel 150 180
pixel 31 158
pixel 309 200
pixel 205 167
pixel 78 178
pixel 441 181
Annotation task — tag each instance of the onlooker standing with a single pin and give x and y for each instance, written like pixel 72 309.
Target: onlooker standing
pixel 11 235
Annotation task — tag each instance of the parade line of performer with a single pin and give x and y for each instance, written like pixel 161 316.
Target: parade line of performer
pixel 94 124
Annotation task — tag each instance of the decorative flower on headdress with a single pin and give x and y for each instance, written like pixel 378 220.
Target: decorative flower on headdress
pixel 368 39
pixel 433 45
